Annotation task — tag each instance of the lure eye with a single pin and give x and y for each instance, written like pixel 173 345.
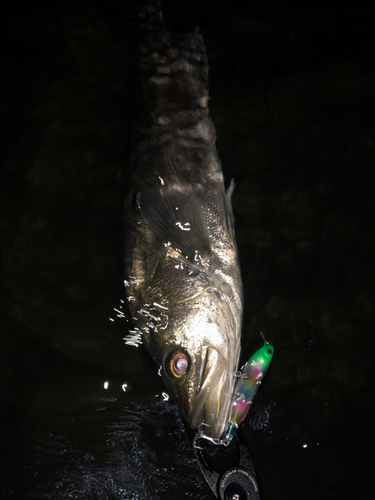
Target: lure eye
pixel 178 364
pixel 269 351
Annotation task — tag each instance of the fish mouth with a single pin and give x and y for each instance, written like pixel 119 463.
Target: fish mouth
pixel 212 403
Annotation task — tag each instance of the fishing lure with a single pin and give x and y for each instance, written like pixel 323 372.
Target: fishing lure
pixel 246 388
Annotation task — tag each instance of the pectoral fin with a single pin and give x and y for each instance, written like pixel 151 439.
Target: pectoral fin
pixel 229 209
pixel 177 219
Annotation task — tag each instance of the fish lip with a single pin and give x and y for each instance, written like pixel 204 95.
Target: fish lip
pixel 208 407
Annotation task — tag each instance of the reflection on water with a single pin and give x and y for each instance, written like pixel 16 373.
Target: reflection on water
pixel 259 417
pixel 80 435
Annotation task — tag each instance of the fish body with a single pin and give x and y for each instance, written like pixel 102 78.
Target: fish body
pixel 247 386
pixel 183 279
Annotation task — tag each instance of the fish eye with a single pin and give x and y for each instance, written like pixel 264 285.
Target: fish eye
pixel 178 363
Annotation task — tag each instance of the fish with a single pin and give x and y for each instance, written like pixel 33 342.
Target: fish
pixel 183 279
pixel 246 388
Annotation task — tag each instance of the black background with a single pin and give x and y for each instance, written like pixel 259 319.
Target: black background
pixel 292 99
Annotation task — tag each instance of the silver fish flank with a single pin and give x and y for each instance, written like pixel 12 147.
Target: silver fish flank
pixel 184 285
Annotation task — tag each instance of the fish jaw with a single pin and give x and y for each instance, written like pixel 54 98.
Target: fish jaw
pixel 212 403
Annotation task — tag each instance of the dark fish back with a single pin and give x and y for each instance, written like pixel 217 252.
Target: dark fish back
pixel 174 136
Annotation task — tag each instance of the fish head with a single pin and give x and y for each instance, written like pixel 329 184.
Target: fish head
pixel 200 360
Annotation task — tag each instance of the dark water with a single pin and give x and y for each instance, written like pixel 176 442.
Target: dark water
pixel 292 98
